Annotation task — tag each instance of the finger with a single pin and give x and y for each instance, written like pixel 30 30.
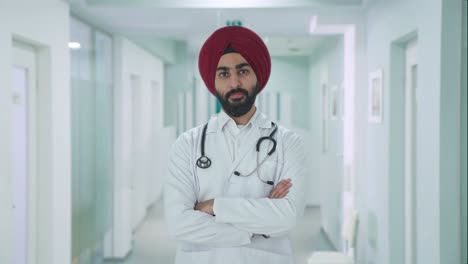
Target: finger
pixel 274 193
pixel 280 195
pixel 280 192
pixel 283 187
pixel 277 188
pixel 283 194
pixel 284 181
pixel 284 191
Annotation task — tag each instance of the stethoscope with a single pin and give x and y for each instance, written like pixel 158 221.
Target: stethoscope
pixel 204 162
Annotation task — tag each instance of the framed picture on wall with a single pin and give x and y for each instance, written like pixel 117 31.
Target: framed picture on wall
pixel 375 96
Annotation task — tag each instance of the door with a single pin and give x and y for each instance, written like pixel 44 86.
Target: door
pixel 136 177
pixel 23 135
pixel 410 151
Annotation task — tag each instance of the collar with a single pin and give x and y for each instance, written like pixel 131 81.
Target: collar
pixel 257 120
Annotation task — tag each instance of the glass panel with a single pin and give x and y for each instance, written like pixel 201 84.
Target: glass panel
pixel 103 133
pixel 92 141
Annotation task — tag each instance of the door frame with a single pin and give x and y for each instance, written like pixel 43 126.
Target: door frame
pixel 410 152
pixel 25 56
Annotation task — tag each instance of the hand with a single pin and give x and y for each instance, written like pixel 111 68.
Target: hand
pixel 206 206
pixel 281 189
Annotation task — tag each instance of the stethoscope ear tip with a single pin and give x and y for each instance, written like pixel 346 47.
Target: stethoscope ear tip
pixel 270 182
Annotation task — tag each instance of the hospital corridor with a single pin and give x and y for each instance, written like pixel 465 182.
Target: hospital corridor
pixel 344 123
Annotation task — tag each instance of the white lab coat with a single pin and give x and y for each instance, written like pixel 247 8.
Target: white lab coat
pixel 241 206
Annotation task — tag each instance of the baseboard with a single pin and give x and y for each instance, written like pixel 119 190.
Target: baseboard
pixel 118 259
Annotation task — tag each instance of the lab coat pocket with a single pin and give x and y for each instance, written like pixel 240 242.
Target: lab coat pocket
pixel 256 186
pixel 257 256
pixel 185 257
pixel 269 171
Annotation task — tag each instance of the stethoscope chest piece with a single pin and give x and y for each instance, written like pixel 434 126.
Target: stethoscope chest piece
pixel 203 162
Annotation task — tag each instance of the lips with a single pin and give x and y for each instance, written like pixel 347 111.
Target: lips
pixel 236 95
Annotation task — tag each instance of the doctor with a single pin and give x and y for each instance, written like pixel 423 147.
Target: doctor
pixel 234 188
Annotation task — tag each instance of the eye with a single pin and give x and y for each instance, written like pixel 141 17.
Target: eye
pixel 243 71
pixel 223 74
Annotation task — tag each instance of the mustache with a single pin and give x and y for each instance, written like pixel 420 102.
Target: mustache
pixel 238 90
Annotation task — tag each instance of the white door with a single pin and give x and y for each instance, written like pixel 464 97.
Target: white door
pixel 410 150
pixel 23 135
pixel 155 113
pixel 136 175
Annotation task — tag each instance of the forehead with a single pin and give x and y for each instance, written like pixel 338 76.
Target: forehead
pixel 231 60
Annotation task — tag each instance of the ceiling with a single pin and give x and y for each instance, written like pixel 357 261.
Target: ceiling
pixel 283 24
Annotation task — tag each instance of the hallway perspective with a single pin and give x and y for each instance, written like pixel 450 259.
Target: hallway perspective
pixel 367 101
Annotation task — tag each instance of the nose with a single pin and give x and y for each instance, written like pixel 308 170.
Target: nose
pixel 234 81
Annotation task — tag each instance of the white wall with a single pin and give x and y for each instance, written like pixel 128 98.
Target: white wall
pixel 436 234
pixel 289 75
pixel 327 68
pixel 463 135
pixel 146 176
pixel 179 76
pixel 46 27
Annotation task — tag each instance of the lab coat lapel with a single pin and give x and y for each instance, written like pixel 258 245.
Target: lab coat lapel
pixel 247 147
pixel 222 150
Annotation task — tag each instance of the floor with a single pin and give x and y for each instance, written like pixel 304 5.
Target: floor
pixel 152 244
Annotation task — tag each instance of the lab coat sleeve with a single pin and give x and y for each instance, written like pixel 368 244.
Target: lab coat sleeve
pixel 185 223
pixel 270 216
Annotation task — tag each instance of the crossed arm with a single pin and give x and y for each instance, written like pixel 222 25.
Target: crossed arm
pixel 278 192
pixel 236 218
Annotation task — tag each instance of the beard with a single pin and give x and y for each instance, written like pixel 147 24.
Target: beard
pixel 241 107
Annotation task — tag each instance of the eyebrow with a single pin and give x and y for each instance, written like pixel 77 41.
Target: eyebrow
pixel 238 66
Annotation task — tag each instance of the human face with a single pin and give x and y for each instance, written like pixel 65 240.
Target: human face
pixel 236 84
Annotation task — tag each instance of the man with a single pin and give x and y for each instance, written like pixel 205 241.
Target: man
pixel 234 185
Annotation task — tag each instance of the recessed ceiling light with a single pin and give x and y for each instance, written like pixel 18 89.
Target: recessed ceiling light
pixel 74 45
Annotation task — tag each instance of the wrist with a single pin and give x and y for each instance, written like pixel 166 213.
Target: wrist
pixel 213 206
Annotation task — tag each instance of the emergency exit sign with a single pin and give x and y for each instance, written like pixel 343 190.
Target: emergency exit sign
pixel 234 23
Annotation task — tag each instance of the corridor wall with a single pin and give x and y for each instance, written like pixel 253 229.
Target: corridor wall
pixel 44 26
pixel 326 133
pixel 138 139
pixel 464 135
pixel 179 77
pixel 289 75
pixel 437 207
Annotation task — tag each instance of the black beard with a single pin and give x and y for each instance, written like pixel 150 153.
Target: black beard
pixel 238 109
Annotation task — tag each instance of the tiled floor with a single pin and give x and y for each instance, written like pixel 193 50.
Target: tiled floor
pixel 152 244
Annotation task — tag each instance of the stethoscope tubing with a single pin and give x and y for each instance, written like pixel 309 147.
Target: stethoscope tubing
pixel 204 162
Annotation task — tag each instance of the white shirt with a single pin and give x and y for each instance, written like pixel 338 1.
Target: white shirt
pixel 241 206
pixel 235 134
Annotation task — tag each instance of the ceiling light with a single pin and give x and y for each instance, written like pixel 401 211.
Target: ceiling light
pixel 74 45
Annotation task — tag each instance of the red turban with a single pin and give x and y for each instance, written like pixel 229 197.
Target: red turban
pixel 244 41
